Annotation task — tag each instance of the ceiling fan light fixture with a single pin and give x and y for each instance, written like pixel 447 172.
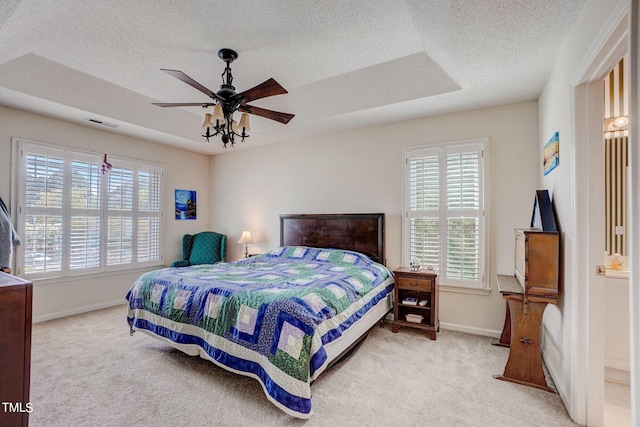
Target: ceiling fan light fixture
pixel 616 124
pixel 226 101
pixel 621 121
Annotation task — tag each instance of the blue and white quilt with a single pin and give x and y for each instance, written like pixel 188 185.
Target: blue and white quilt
pixel 267 317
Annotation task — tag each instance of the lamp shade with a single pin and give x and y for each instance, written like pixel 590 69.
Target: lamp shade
pixel 207 122
pixel 217 113
pixel 246 238
pixel 244 122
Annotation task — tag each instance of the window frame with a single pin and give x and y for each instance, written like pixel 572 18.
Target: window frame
pixel 442 148
pixel 22 147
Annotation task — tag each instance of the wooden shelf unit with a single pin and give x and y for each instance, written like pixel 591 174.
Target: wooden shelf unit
pixel 422 285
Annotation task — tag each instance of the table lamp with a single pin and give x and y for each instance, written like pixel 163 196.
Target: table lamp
pixel 247 240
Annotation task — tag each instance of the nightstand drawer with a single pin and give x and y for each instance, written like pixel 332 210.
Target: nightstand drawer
pixel 414 283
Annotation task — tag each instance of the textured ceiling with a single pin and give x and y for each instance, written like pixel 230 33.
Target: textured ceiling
pixel 346 64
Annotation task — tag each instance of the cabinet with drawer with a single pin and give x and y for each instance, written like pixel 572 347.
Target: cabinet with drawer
pixel 415 302
pixel 15 350
pixel 537 262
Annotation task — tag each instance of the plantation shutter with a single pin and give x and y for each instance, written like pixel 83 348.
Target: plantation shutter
pixel 84 224
pixel 149 188
pixel 43 212
pixel 424 206
pixel 120 217
pixel 74 220
pixel 445 211
pixel 464 216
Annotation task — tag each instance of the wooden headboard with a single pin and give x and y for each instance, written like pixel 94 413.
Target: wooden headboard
pixel 362 233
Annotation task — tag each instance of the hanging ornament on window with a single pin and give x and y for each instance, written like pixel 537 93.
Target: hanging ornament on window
pixel 105 167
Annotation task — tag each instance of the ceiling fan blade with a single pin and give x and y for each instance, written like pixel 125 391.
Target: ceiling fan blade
pixel 188 80
pixel 269 114
pixel 183 104
pixel 263 90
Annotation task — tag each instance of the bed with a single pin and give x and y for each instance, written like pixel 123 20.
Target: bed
pixel 282 317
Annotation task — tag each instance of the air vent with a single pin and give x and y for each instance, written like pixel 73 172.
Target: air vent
pixel 100 122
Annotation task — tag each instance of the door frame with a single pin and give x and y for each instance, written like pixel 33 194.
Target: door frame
pixel 634 209
pixel 588 159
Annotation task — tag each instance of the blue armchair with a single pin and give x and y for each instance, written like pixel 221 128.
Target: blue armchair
pixel 207 247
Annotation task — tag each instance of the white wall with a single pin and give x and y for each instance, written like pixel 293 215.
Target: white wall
pixel 565 349
pixel 616 329
pixel 183 170
pixel 357 171
pixel 361 171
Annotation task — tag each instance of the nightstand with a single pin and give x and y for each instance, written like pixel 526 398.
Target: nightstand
pixel 415 303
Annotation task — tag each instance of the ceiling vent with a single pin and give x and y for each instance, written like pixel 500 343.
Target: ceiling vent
pixel 100 122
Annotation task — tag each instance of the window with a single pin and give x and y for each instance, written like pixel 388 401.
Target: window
pixel 444 222
pixel 74 220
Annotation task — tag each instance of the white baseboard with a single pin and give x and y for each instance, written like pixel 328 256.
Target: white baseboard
pixel 471 330
pixel 617 363
pixel 553 361
pixel 78 310
pixel 617 375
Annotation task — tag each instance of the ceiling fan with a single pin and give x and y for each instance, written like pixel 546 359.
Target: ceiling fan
pixel 226 101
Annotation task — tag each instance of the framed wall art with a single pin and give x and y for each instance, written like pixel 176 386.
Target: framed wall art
pixel 185 204
pixel 551 154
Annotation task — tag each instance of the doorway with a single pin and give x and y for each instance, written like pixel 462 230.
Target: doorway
pixel 609 48
pixel 617 401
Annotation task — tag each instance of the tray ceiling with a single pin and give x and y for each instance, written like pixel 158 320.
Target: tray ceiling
pixel 345 64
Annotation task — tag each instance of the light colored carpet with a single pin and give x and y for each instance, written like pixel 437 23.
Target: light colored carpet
pixel 88 371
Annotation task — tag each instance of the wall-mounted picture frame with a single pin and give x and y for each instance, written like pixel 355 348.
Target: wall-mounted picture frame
pixel 551 153
pixel 185 204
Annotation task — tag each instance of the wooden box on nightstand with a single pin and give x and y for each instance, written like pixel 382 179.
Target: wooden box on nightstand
pixel 419 286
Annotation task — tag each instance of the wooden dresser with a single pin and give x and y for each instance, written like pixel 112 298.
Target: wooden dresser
pixel 15 350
